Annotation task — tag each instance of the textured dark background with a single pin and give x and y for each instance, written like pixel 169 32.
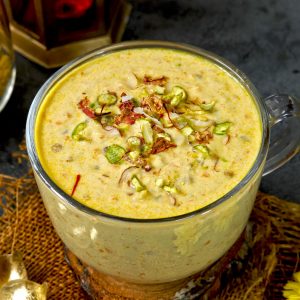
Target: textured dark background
pixel 261 37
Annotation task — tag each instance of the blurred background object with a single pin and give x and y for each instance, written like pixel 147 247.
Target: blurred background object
pixel 53 32
pixel 7 62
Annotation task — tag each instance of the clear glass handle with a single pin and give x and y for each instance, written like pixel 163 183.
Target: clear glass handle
pixel 284 113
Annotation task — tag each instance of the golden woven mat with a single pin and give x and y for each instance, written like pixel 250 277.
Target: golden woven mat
pixel 273 256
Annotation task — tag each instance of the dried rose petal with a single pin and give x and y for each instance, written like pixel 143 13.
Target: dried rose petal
pixel 84 106
pixel 154 104
pixel 161 145
pixel 127 115
pixel 126 106
pixel 157 129
pixel 203 137
pixel 155 81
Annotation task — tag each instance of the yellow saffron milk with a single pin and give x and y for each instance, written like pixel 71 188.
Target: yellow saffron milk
pixel 148 133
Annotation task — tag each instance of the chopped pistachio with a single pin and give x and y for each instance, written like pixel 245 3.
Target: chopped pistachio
pixel 187 130
pixel 108 99
pixel 222 128
pixel 181 121
pixel 164 135
pixel 114 153
pixel 191 138
pixel 179 91
pixel 147 132
pixel 136 183
pixel 135 102
pixel 178 95
pixel 159 182
pixel 133 155
pixel 193 155
pixel 122 126
pixel 202 149
pixel 159 89
pixel 107 120
pixel 146 149
pixel 134 142
pixel 208 106
pixel 166 122
pixel 77 132
pixel 97 110
pixel 94 105
pixel 190 108
pixel 170 189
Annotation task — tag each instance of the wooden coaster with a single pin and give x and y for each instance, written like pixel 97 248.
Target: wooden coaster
pixel 101 286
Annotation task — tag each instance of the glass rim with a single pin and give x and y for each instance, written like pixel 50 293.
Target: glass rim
pixel 221 62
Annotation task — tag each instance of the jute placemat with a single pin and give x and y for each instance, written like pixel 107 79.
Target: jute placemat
pixel 258 274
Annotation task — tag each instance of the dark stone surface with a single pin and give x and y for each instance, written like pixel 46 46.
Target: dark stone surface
pixel 261 37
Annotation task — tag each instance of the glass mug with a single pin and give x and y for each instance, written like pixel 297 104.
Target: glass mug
pixel 7 60
pixel 168 249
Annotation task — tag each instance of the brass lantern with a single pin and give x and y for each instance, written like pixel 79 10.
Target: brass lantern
pixel 52 32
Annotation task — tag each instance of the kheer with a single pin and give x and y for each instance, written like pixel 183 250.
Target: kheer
pixel 148 133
